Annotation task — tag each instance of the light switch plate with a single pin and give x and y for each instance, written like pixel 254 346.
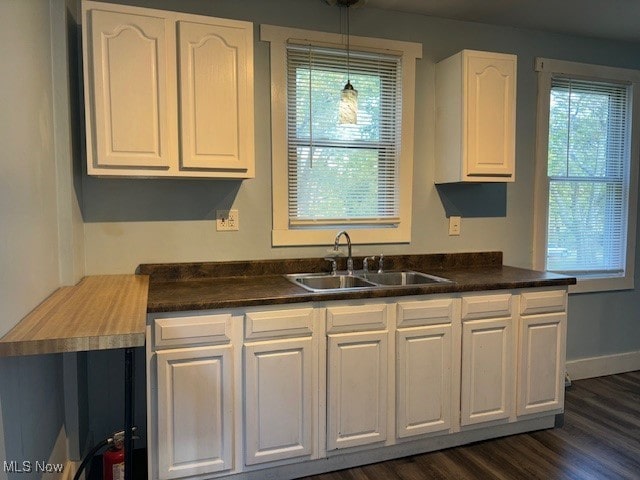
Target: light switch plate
pixel 454 225
pixel 227 220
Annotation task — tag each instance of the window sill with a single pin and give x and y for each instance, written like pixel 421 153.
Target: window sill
pixel 602 284
pixel 281 238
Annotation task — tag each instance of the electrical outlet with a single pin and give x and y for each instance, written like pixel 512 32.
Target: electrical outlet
pixel 454 225
pixel 227 220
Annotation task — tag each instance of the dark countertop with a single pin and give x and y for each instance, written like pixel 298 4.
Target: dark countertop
pixel 202 286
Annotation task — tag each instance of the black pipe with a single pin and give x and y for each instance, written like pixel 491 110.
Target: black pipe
pixel 128 413
pixel 90 455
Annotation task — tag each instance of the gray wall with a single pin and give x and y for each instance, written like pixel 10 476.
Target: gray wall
pixel 129 222
pixel 31 391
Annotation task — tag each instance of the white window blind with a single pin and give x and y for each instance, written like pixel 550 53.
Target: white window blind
pixel 588 175
pixel 342 174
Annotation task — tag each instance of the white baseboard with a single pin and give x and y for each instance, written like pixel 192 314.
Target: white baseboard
pixel 604 365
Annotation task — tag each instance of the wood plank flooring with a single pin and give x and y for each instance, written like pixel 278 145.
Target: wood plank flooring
pixel 600 439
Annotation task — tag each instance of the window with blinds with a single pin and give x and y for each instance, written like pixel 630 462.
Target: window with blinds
pixel 588 177
pixel 342 174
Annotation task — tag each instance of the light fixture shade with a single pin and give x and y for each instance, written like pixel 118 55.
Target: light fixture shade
pixel 348 110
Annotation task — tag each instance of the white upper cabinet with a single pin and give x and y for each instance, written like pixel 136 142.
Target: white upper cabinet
pixel 475 117
pixel 216 96
pixel 167 94
pixel 130 93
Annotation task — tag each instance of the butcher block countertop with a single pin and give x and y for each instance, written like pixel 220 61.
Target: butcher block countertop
pixel 100 312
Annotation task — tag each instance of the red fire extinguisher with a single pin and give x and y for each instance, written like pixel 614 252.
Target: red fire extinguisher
pixel 113 459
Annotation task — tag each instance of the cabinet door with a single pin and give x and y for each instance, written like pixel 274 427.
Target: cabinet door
pixel 129 93
pixel 357 389
pixel 424 380
pixel 278 400
pixel 487 372
pixel 490 103
pixel 216 96
pixel 541 363
pixel 195 411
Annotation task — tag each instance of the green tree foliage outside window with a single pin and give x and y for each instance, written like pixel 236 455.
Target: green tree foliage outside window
pixel 342 172
pixel 587 171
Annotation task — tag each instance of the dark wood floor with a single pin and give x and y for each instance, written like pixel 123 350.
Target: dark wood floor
pixel 600 439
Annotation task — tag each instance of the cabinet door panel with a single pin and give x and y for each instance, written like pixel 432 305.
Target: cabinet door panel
pixel 357 389
pixel 541 370
pixel 195 411
pixel 278 403
pixel 424 380
pixel 131 92
pixel 216 97
pixel 491 116
pixel 487 372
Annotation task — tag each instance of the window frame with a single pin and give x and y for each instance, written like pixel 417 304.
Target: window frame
pixel 547 69
pixel 282 233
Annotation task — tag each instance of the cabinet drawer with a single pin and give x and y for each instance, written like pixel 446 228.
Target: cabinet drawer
pixel 486 306
pixel 427 312
pixel 279 323
pixel 178 331
pixel 551 301
pixel 356 318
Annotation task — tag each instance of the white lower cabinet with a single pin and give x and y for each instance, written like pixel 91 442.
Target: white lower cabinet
pixel 357 389
pixel 424 380
pixel 281 384
pixel 427 389
pixel 246 389
pixel 195 411
pixel 543 325
pixel 487 369
pixel 278 400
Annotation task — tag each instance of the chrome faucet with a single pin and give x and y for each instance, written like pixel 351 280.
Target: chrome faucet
pixel 349 257
pixel 334 265
pixel 365 263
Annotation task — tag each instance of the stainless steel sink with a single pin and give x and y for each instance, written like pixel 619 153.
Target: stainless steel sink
pixel 321 283
pixel 318 282
pixel 402 278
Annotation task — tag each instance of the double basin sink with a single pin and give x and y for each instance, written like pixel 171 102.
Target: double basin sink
pixel 318 282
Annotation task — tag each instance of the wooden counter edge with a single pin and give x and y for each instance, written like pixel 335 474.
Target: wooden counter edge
pixel 100 312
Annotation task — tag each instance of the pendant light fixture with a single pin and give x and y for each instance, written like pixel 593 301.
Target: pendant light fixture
pixel 348 109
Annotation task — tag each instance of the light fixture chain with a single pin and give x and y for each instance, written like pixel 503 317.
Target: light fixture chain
pixel 310 111
pixel 348 48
